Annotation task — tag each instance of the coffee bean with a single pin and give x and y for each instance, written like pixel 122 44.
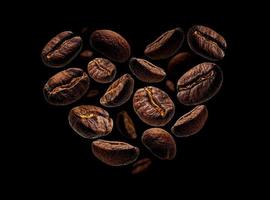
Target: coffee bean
pixel 141 166
pixel 160 143
pixel 146 71
pixel 90 121
pixel 153 106
pixel 125 125
pixel 206 42
pixel 86 55
pixel 115 153
pixel 165 45
pixel 101 70
pixel 92 93
pixel 180 62
pixel 118 92
pixel 190 123
pixel 66 87
pixel 110 44
pixel 61 49
pixel 199 84
pixel 170 86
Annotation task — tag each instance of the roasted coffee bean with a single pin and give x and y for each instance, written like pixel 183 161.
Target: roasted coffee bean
pixel 101 70
pixel 66 87
pixel 125 125
pixel 86 55
pixel 115 153
pixel 190 123
pixel 199 84
pixel 153 106
pixel 118 92
pixel 141 166
pixel 165 45
pixel 90 121
pixel 110 44
pixel 206 42
pixel 160 143
pixel 180 62
pixel 146 71
pixel 61 49
pixel 170 86
pixel 92 93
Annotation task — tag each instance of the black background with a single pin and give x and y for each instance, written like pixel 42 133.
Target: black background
pixel 50 150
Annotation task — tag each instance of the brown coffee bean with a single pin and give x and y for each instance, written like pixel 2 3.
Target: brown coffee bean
pixel 165 45
pixel 153 106
pixel 146 71
pixel 206 42
pixel 125 125
pixel 90 121
pixel 101 70
pixel 61 49
pixel 66 87
pixel 118 92
pixel 110 44
pixel 160 143
pixel 180 62
pixel 141 166
pixel 115 153
pixel 199 84
pixel 170 86
pixel 190 123
pixel 86 55
pixel 92 93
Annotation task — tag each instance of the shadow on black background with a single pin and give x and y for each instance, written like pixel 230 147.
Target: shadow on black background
pixel 52 151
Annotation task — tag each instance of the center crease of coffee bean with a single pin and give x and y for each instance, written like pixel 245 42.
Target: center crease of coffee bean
pixel 100 66
pixel 154 102
pixel 87 116
pixel 73 82
pixel 57 46
pixel 209 39
pixel 209 75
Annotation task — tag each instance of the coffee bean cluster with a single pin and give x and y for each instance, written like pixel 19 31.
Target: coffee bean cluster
pixel 152 105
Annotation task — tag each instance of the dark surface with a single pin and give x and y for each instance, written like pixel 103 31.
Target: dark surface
pixel 53 151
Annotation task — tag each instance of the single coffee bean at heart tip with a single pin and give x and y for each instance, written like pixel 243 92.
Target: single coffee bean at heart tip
pixel 190 123
pixel 110 44
pixel 165 45
pixel 115 153
pixel 61 49
pixel 146 71
pixel 141 166
pixel 206 42
pixel 90 121
pixel 66 87
pixel 160 143
pixel 199 84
